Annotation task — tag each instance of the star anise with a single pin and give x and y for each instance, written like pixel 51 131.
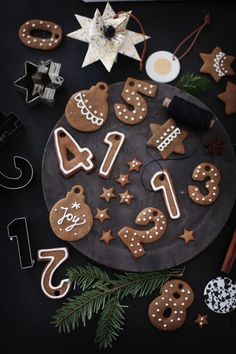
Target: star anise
pixel 214 145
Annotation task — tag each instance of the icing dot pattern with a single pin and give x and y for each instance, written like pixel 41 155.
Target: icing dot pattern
pixel 38 42
pixel 208 172
pixel 134 239
pixel 131 95
pixel 170 307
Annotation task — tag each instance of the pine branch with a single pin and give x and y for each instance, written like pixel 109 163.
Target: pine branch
pixel 195 84
pixel 110 323
pixel 106 297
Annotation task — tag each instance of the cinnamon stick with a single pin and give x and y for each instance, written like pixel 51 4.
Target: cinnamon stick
pixel 230 255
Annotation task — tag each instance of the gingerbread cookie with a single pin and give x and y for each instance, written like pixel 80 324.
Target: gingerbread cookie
pixel 102 215
pixel 107 237
pixel 134 239
pixel 205 171
pixel 107 194
pixel 123 180
pixel 126 197
pixel 87 111
pixel 55 257
pixel 217 64
pixel 187 236
pixel 71 218
pixel 168 311
pixel 27 38
pixel 167 138
pixel 229 98
pixel 201 320
pixel 82 157
pixel 134 165
pixel 162 181
pixel 131 95
pixel 115 141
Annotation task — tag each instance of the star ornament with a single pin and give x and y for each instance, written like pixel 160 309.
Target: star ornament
pixel 229 98
pixel 217 64
pixel 107 36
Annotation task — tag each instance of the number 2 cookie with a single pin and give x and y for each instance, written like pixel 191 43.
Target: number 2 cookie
pixel 71 218
pixel 205 171
pixel 131 95
pixel 87 111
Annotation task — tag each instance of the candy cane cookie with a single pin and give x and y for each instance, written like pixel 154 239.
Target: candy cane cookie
pixel 209 173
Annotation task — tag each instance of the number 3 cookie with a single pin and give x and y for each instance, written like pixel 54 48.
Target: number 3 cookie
pixel 208 172
pixel 168 311
pixel 131 95
pixel 71 218
pixel 87 111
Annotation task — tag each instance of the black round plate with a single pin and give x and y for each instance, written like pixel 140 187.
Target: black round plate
pixel 206 221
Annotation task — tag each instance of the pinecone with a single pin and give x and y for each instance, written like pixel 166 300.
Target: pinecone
pixel 214 145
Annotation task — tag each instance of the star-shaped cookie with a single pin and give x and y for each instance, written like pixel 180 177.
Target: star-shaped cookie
pixel 201 320
pixel 107 194
pixel 229 98
pixel 187 236
pixel 217 64
pixel 126 198
pixel 107 237
pixel 123 180
pixel 102 215
pixel 167 138
pixel 134 165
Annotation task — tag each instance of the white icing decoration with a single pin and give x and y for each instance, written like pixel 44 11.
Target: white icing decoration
pixel 161 187
pixel 219 67
pixel 85 111
pixel 75 221
pixel 168 139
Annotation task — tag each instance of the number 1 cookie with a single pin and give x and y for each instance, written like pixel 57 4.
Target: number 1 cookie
pixel 71 218
pixel 131 95
pixel 87 111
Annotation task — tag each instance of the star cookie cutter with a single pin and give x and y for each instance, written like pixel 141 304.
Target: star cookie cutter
pixel 40 82
pixel 10 127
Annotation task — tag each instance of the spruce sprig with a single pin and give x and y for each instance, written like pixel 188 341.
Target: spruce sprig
pixel 195 84
pixel 101 293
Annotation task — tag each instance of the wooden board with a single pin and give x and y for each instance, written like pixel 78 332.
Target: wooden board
pixel 206 221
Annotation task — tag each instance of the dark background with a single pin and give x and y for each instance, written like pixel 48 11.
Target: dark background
pixel 26 312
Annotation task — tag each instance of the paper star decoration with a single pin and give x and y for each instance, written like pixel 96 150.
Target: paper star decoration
pixel 123 180
pixel 134 165
pixel 217 64
pixel 201 320
pixel 102 215
pixel 167 138
pixel 107 194
pixel 107 36
pixel 229 98
pixel 187 236
pixel 107 237
pixel 126 198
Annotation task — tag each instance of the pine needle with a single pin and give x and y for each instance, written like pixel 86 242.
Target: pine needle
pixel 101 293
pixel 195 84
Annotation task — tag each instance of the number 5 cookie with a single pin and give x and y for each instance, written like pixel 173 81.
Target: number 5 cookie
pixel 87 111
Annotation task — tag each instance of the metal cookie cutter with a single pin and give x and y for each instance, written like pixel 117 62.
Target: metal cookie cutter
pixel 40 82
pixel 10 126
pixel 18 228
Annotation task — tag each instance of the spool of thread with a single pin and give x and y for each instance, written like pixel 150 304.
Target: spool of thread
pixel 188 113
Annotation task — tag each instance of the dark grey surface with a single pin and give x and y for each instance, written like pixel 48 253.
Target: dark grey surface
pixel 206 221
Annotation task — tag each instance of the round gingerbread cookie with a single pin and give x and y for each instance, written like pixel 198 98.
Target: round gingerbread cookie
pixel 168 311
pixel 71 218
pixel 87 111
pixel 220 295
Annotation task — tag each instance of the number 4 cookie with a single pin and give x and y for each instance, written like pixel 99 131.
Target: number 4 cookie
pixel 131 95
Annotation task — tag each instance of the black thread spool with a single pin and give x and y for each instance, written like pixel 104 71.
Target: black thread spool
pixel 188 113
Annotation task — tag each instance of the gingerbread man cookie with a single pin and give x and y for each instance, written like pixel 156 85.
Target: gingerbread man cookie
pixel 27 38
pixel 131 95
pixel 87 111
pixel 168 311
pixel 82 159
pixel 205 171
pixel 167 138
pixel 71 218
pixel 134 239
pixel 55 257
pixel 162 181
